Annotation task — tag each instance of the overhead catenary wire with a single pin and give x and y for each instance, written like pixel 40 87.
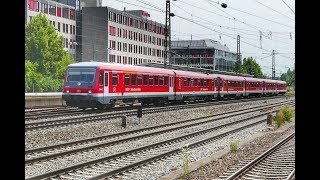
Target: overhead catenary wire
pixel 274 10
pixel 253 15
pixel 288 6
pixel 163 11
pixel 247 24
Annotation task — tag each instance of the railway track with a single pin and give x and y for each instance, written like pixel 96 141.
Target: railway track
pixel 139 156
pixel 105 116
pixel 37 154
pixel 50 112
pixel 278 162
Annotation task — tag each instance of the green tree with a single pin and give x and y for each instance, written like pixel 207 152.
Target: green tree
pixel 238 67
pixel 250 66
pixel 45 58
pixel 289 77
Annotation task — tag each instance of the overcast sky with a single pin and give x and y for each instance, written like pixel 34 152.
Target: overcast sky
pixel 274 18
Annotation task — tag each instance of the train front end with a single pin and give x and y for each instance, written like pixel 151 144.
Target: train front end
pixel 81 86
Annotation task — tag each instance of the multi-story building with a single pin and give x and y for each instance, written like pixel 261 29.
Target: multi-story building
pixel 61 15
pixel 205 53
pixel 128 37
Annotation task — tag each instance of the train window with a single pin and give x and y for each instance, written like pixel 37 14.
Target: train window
pixel 201 82
pixel 106 79
pixel 145 80
pixel 191 82
pixel 127 79
pixel 101 78
pixel 133 79
pixel 166 80
pixel 170 81
pixel 139 79
pixel 180 83
pixel 150 80
pixel 161 81
pixel 156 80
pixel 195 82
pixel 205 82
pixel 184 81
pixel 114 79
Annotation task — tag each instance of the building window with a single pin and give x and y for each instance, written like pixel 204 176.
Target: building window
pixel 119 46
pixel 111 58
pixel 32 5
pixel 72 14
pixel 52 10
pixel 70 29
pixel 74 29
pixel 110 16
pixel 65 12
pixel 59 26
pixel 45 8
pixel 112 44
pixel 130 48
pixel 130 60
pixel 66 28
pixel 66 43
pixel 118 59
pixel 125 47
pixel 59 11
pixel 125 59
pixel 63 27
pixel 112 31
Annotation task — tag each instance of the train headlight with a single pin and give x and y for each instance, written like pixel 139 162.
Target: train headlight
pixel 67 91
pixel 89 91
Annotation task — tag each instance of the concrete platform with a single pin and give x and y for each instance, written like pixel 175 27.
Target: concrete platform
pixel 43 99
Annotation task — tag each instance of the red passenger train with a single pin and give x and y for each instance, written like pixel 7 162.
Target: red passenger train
pixel 99 85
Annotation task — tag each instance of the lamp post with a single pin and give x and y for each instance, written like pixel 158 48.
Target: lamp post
pixel 73 45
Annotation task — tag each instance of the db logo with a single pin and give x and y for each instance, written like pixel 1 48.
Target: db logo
pixel 114 89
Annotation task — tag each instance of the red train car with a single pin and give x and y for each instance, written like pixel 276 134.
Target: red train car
pixel 192 85
pixel 99 85
pixel 95 84
pixel 254 87
pixel 230 86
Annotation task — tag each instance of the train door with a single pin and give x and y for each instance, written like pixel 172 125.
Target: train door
pixel 106 86
pixel 171 84
pixel 243 87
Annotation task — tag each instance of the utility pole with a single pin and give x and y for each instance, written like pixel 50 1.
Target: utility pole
pixel 188 57
pixel 238 53
pixel 273 65
pixel 168 34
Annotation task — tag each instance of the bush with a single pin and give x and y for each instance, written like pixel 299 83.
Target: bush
pixel 278 119
pixel 287 113
pixel 233 146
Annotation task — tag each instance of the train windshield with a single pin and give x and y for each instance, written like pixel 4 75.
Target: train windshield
pixel 80 77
